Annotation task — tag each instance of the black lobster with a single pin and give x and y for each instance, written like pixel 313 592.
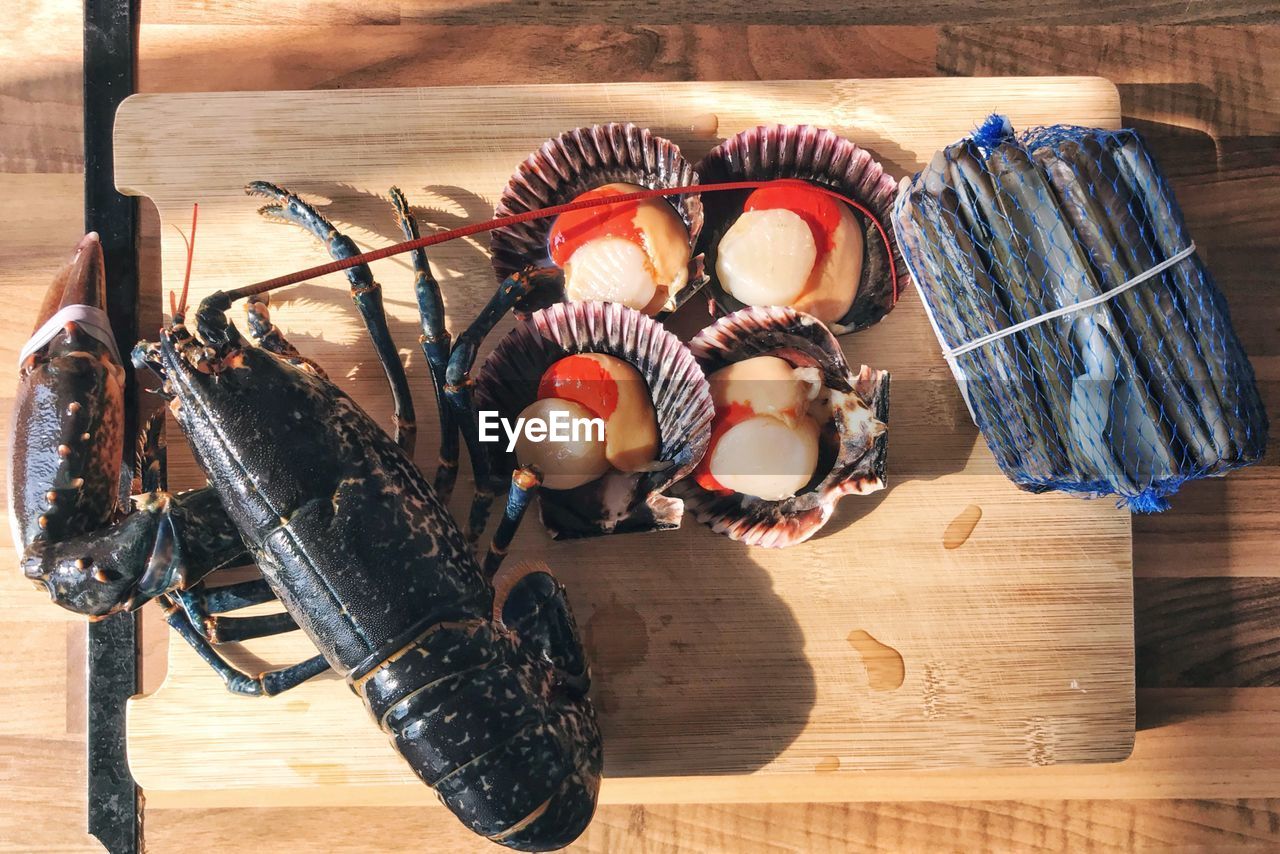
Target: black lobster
pixel 484 693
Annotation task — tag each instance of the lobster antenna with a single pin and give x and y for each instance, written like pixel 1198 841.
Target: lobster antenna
pixel 175 307
pixel 544 213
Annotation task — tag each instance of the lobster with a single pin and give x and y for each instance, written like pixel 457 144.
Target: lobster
pixel 475 671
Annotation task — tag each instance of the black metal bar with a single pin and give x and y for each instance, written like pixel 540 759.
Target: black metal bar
pixel 114 806
pixel 110 72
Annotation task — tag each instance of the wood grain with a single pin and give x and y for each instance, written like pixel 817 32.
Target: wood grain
pixel 40 97
pixel 1195 742
pixel 1048 826
pixel 733 12
pixel 1221 82
pixel 999 670
pixel 221 58
pixel 1207 632
pixel 1218 528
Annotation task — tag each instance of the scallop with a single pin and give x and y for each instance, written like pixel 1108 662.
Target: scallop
pixel 635 253
pixel 564 464
pixel 610 269
pixel 616 392
pixel 766 482
pixel 766 458
pixel 767 385
pixel 603 160
pixel 829 292
pixel 859 272
pixel 766 257
pixel 621 365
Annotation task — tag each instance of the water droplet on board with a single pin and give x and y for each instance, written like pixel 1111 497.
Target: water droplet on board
pixel 704 124
pixel 617 639
pixel 885 668
pixel 827 764
pixel 605 700
pixel 961 527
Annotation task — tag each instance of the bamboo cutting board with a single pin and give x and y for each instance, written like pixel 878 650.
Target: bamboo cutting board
pixel 948 621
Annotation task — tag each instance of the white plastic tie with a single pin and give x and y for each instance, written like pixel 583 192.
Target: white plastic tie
pixel 951 354
pixel 91 320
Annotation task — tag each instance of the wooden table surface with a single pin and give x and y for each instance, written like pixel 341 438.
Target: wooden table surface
pixel 1207 579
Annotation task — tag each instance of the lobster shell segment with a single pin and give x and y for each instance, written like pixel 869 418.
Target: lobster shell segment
pixel 583 159
pixel 857 430
pixel 822 157
pixel 617 502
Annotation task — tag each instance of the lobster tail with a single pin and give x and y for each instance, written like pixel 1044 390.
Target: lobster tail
pixel 538 791
pixel 486 721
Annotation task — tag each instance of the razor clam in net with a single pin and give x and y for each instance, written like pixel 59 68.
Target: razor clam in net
pixel 1090 343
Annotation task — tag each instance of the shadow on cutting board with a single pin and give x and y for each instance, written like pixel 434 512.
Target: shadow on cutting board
pixel 461 266
pixel 698 666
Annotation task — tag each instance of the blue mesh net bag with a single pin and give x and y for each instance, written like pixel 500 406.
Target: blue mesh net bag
pixel 1091 345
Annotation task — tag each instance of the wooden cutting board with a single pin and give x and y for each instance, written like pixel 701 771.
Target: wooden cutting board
pixel 949 621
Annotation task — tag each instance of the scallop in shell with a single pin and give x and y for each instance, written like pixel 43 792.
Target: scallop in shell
pixel 854 440
pixel 617 502
pixel 587 159
pixel 820 157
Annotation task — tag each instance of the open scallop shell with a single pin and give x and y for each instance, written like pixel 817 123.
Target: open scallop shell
pixel 579 160
pixel 860 415
pixel 817 155
pixel 618 502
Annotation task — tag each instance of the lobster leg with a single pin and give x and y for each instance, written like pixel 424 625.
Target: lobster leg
pixel 436 342
pixel 231 597
pixel 269 337
pixel 237 681
pixel 197 599
pixel 237 629
pixel 366 293
pixel 458 383
pixel 220 629
pixel 524 482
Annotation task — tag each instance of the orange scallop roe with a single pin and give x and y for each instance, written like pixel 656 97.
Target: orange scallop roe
pixel 574 228
pixel 584 380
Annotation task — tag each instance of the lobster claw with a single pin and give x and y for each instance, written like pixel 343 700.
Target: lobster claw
pixel 97 573
pixel 68 425
pixel 81 282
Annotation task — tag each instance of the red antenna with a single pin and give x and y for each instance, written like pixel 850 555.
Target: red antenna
pixel 180 307
pixel 543 213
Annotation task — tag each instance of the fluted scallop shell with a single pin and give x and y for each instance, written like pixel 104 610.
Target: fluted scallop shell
pixel 860 415
pixel 618 502
pixel 579 160
pixel 821 156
